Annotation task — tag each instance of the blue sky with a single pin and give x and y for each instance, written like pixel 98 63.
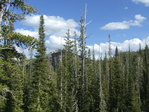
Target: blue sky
pixel 127 21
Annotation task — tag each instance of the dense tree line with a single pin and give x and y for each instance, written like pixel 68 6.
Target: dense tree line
pixel 77 83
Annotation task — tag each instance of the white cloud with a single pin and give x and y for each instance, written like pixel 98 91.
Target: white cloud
pixel 139 18
pixel 27 32
pixel 54 25
pixel 124 24
pixel 116 26
pixel 145 2
pixel 32 20
pixel 134 44
pixel 54 43
pixel 55 28
pixel 26 52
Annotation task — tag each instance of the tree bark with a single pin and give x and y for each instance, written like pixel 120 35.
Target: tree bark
pixel 1 17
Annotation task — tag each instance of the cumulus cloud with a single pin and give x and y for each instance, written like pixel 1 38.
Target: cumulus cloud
pixel 26 52
pixel 27 32
pixel 102 48
pixel 124 24
pixel 145 2
pixel 54 43
pixel 55 29
pixel 54 25
pixel 116 26
pixel 32 21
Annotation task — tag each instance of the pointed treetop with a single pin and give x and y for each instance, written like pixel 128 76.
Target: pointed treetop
pixel 116 52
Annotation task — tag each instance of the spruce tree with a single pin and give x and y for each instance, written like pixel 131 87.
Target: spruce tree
pixel 12 70
pixel 116 85
pixel 8 13
pixel 133 84
pixel 40 79
pixel 145 81
pixel 68 79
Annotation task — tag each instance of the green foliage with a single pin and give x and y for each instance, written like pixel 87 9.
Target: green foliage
pixel 116 85
pixel 79 83
pixel 145 80
pixel 66 76
pixel 13 38
pixel 42 87
pixel 12 75
pixel 12 78
pixel 11 62
pixel 10 15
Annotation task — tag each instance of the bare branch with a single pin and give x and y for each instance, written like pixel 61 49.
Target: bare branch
pixel 5 91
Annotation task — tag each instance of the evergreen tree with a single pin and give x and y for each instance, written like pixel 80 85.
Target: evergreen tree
pixel 68 79
pixel 12 71
pixel 13 76
pixel 2 88
pixel 103 103
pixel 39 100
pixel 145 81
pixel 116 85
pixel 8 13
pixel 76 71
pixel 133 83
pixel 89 85
pixel 92 82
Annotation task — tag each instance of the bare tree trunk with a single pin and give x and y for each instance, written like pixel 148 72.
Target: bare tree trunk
pixel 110 50
pixel 101 94
pixel 75 74
pixel 83 37
pixel 82 40
pixel 1 17
pixel 61 86
pixel 138 80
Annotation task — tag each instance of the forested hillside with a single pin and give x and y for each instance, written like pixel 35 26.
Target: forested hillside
pixel 71 79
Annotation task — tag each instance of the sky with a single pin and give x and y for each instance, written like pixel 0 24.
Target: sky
pixel 127 22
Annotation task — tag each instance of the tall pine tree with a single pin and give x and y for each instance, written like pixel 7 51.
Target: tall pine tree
pixel 40 79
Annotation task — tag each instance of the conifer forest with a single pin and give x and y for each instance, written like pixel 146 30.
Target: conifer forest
pixel 70 79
